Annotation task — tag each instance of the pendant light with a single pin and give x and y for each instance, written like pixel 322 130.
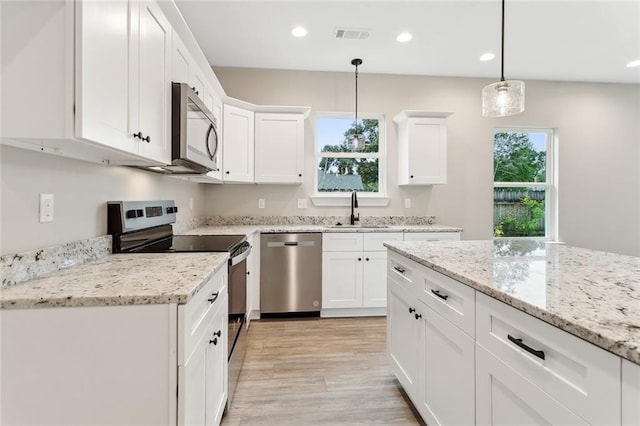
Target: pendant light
pixel 505 97
pixel 356 142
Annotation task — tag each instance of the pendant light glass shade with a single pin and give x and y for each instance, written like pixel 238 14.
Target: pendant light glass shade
pixel 357 141
pixel 503 98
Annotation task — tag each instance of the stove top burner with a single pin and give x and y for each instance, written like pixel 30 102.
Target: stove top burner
pixel 194 243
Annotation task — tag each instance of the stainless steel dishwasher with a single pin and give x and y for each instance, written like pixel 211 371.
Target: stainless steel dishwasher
pixel 290 274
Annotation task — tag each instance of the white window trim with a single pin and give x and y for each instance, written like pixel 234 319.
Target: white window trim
pixel 365 199
pixel 551 184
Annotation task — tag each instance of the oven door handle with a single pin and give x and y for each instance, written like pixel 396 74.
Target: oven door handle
pixel 241 257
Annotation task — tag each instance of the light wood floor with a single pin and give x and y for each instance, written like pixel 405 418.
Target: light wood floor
pixel 318 372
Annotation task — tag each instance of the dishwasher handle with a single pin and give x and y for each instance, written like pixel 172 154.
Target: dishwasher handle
pixel 291 244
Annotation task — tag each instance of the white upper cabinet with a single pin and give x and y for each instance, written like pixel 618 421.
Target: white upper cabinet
pixel 102 84
pixel 279 148
pixel 106 80
pixel 422 147
pixel 150 90
pixel 237 144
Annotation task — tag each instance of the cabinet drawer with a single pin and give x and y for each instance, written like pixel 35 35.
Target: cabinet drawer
pixel 342 241
pixel 194 316
pixel 373 240
pixel 413 236
pixel 404 272
pixel 579 375
pixel 451 299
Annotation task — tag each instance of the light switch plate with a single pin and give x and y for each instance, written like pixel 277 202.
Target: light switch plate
pixel 261 203
pixel 302 203
pixel 46 208
pixel 407 203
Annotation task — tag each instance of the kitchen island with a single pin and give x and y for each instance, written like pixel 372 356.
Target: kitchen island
pixel 515 317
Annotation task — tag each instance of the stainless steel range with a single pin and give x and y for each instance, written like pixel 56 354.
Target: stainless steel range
pixel 145 227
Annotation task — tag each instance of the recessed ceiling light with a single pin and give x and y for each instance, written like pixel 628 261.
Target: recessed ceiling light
pixel 634 64
pixel 487 57
pixel 299 32
pixel 404 37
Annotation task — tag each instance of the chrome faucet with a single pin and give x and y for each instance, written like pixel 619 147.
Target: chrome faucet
pixel 354 205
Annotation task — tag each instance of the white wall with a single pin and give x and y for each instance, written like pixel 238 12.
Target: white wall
pixel 81 191
pixel 598 149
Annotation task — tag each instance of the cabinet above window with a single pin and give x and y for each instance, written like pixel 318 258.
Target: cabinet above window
pixel 422 147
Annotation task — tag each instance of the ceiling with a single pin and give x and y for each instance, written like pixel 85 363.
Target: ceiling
pixel 585 40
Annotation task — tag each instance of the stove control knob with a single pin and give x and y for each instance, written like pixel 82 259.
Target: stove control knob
pixel 132 214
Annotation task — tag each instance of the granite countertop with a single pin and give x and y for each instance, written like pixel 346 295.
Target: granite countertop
pixel 250 229
pixel 120 279
pixel 591 294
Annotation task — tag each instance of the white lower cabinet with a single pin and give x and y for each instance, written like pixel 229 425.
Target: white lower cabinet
pixel 403 339
pixel 432 358
pixel 504 397
pixel 127 364
pixel 473 359
pixel 203 377
pixel 447 395
pixel 630 393
pixel 354 271
pixel 580 376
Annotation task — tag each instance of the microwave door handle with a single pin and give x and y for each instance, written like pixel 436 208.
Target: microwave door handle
pixel 212 156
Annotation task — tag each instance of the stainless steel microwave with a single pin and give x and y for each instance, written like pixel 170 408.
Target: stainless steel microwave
pixel 194 134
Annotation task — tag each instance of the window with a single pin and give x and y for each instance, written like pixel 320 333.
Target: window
pixel 524 202
pixel 340 170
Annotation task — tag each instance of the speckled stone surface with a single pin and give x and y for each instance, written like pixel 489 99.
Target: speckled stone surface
pixel 19 267
pixel 119 279
pixel 316 220
pixel 266 228
pixel 591 294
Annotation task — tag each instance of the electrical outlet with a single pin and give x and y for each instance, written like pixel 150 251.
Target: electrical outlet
pixel 407 203
pixel 261 203
pixel 46 208
pixel 302 203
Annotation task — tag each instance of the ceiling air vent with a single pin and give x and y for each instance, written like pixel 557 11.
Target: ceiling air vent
pixel 352 33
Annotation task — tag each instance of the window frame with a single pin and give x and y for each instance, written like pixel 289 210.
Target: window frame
pixel 550 184
pixel 379 198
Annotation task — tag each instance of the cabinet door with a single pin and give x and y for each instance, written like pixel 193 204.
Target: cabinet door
pixel 448 369
pixel 342 279
pixel 403 340
pixel 192 383
pixel 374 279
pixel 422 151
pixel 504 397
pixel 238 149
pixel 279 148
pixel 180 60
pixel 102 73
pixel 216 367
pixel 151 82
pixel 630 393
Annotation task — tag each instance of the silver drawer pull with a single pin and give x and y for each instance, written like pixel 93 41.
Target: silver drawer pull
pixel 520 344
pixel 399 269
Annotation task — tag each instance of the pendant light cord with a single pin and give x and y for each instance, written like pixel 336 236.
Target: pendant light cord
pixel 356 62
pixel 501 53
